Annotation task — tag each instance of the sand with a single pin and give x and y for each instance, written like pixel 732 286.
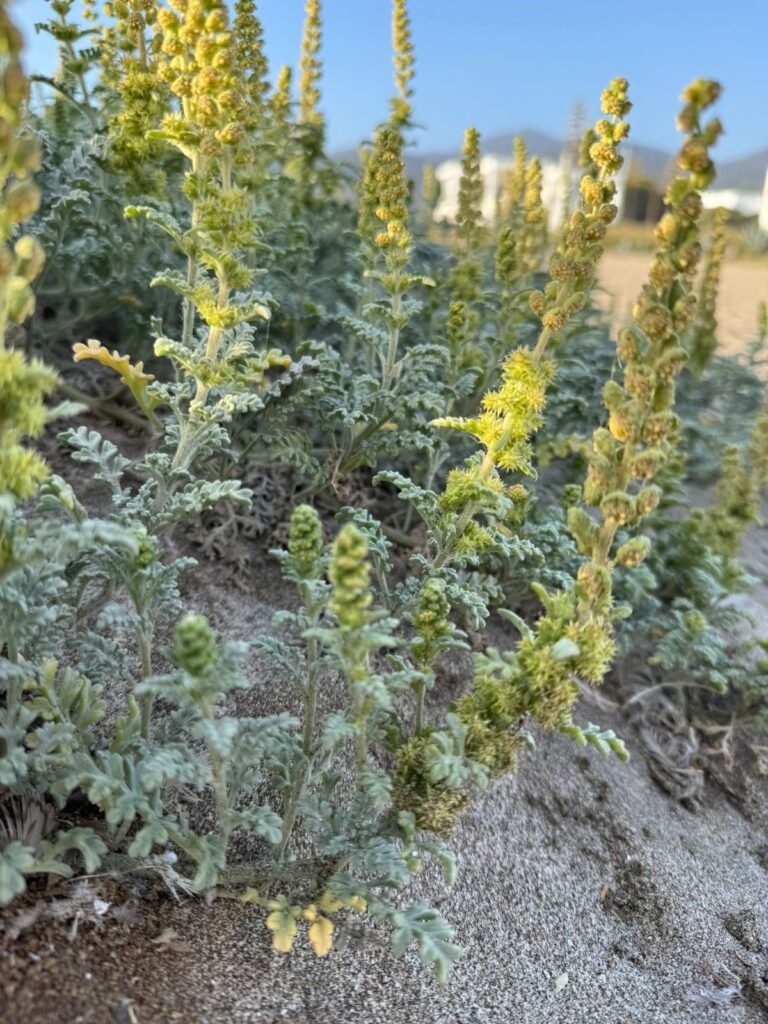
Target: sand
pixel 743 285
pixel 585 895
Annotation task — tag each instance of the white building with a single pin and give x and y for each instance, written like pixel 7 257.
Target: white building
pixel 762 216
pixel 737 200
pixel 559 187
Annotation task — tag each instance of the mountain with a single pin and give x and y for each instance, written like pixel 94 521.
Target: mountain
pixel 746 173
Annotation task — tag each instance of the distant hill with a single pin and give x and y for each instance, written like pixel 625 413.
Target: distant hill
pixel 749 172
pixel 745 173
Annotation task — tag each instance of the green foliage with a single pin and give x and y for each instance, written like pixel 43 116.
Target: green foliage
pixel 369 366
pixel 89 284
pixel 339 629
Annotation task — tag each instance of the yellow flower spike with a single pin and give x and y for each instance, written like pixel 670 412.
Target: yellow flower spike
pixel 403 60
pixel 311 66
pixel 321 936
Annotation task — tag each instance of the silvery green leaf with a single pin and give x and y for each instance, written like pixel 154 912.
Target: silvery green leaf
pixel 564 649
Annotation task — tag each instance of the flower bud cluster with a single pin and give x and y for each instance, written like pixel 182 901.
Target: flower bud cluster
pixel 403 59
pixel 305 540
pixel 311 67
pixel 572 266
pixel 198 62
pixel 195 648
pixel 703 339
pixel 129 46
pixel 385 198
pixel 466 276
pixel 641 423
pixel 430 621
pixel 533 238
pixel 349 574
pixel 522 236
pixel 252 62
pixel 737 500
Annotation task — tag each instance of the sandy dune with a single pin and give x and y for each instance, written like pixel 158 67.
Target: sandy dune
pixel 744 283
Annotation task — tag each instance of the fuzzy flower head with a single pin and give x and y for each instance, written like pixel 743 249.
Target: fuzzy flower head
pixel 469 230
pixel 430 620
pixel 251 59
pixel 386 192
pixel 200 63
pixel 195 649
pixel 305 540
pixel 349 574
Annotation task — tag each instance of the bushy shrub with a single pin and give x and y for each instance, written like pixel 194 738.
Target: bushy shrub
pixel 359 361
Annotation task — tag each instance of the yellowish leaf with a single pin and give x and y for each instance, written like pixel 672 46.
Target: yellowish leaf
pixel 121 364
pixel 283 925
pixel 321 936
pixel 329 904
pixel 134 377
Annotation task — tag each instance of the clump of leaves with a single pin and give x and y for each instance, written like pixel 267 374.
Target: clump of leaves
pixel 374 847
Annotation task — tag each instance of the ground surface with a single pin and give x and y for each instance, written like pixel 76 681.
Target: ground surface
pixel 744 283
pixel 585 894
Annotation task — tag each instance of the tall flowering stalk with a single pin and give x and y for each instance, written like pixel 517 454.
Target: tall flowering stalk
pixel 404 62
pixel 702 342
pixel 641 424
pixel 572 641
pixel 214 76
pixel 737 497
pixel 521 239
pixel 311 66
pixel 510 414
pixel 129 60
pixel 310 121
pixel 386 256
pixel 467 273
pixel 24 384
pixel 534 228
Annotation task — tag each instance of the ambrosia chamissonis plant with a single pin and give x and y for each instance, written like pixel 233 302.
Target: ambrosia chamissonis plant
pixel 383 400
pixel 572 641
pixel 313 331
pixel 47 709
pixel 478 508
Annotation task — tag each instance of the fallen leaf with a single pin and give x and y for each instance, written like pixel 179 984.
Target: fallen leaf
pixel 169 939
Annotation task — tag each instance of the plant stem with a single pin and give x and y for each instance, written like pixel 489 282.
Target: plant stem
pixel 421 692
pixel 310 717
pixel 147 701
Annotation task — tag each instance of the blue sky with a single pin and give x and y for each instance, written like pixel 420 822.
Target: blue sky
pixel 505 65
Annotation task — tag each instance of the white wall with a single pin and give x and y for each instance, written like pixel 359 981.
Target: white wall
pixel 557 180
pixel 762 216
pixel 735 199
